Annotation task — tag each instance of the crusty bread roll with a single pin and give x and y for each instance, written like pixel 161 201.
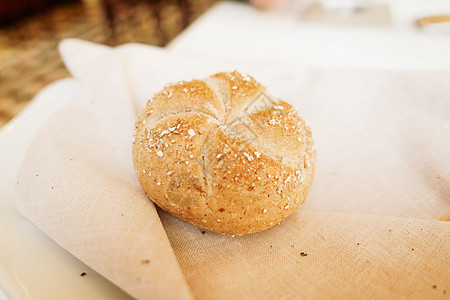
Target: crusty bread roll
pixel 224 155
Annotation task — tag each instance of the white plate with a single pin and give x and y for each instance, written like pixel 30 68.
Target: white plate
pixel 32 266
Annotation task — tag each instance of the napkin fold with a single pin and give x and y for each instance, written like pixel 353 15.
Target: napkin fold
pixel 369 228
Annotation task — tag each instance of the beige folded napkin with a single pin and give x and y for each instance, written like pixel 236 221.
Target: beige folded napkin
pixel 369 228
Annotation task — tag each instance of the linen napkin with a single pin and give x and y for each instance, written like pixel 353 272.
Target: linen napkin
pixel 369 228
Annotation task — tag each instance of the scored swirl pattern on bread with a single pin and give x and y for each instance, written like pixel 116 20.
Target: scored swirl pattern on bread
pixel 223 154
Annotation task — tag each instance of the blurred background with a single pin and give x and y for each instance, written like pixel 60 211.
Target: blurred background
pixel 30 31
pixel 389 31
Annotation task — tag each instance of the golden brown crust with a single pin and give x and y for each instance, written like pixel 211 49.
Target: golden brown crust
pixel 223 155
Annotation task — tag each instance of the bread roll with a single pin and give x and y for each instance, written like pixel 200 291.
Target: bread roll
pixel 223 154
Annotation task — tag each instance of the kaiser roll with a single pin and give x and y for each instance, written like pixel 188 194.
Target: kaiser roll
pixel 223 154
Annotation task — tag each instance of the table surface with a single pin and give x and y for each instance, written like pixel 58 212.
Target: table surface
pixel 237 31
pixel 228 31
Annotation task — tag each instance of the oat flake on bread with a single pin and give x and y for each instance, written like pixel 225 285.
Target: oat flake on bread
pixel 223 154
